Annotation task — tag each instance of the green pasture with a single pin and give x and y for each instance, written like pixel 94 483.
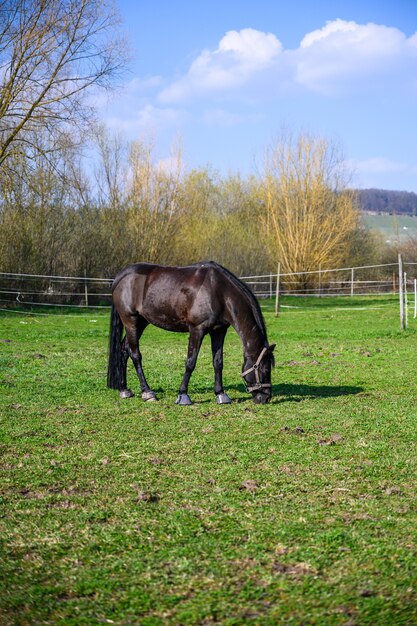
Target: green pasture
pixel 393 227
pixel 299 512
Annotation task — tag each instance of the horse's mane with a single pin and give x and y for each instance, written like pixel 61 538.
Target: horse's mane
pixel 249 297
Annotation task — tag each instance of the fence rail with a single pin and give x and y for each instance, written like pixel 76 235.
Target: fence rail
pixel 54 291
pixel 399 279
pixel 346 281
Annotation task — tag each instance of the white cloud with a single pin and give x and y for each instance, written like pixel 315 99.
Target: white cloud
pixel 342 53
pixel 239 56
pixel 340 58
pixel 251 47
pixel 329 29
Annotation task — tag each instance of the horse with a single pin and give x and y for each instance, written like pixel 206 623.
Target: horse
pixel 203 298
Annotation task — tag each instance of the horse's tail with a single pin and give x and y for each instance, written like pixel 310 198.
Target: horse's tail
pixel 115 361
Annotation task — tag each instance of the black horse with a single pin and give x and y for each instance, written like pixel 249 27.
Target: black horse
pixel 200 299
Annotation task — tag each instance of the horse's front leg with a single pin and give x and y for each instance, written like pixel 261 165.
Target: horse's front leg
pixel 194 344
pixel 217 341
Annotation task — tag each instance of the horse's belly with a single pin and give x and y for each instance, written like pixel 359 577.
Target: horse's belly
pixel 165 317
pixel 175 326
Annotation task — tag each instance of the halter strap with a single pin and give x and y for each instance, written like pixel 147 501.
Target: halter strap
pixel 255 368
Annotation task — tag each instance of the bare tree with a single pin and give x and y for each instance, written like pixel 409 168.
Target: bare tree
pixel 110 170
pixel 153 212
pixel 310 215
pixel 52 54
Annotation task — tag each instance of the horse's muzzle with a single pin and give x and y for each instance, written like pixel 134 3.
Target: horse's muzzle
pixel 261 398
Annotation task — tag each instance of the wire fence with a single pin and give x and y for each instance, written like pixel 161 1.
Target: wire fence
pixel 366 280
pixel 54 291
pixel 398 279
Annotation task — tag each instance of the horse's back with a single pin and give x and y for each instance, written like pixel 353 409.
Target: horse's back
pixel 172 297
pixel 131 270
pixel 177 298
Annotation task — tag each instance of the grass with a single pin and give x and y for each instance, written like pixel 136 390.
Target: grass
pixel 299 512
pixel 393 227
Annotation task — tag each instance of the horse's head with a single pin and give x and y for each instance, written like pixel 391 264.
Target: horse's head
pixel 257 375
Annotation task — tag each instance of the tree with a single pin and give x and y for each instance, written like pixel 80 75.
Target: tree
pixel 309 213
pixel 199 204
pixel 33 218
pixel 153 213
pixel 52 53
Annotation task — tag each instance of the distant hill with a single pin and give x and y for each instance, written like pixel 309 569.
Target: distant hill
pixel 394 228
pixel 385 201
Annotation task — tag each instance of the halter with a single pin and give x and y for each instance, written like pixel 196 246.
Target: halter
pixel 255 368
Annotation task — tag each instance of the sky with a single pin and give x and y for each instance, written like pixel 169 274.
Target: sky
pixel 224 77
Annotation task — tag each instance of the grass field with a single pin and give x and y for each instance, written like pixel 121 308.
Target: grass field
pixel 299 512
pixel 393 227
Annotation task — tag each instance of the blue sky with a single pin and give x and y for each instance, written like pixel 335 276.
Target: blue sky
pixel 225 77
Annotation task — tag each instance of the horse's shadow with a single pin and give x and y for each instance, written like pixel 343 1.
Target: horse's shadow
pixel 297 393
pixel 285 392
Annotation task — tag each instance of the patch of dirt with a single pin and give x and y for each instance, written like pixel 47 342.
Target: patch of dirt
pixel 249 485
pixel 294 570
pixel 296 431
pixel 393 491
pixel 63 504
pixel 156 460
pixel 331 441
pixel 146 496
pixel 293 363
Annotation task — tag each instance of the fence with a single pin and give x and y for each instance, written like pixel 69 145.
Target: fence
pixel 364 280
pixel 399 279
pixel 54 291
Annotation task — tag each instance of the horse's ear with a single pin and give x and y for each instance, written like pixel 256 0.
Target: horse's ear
pixel 272 347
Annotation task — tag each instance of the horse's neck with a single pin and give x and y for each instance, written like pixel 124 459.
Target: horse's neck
pixel 247 328
pixel 252 341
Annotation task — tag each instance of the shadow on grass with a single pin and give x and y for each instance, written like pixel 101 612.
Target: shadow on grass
pixel 297 393
pixel 280 393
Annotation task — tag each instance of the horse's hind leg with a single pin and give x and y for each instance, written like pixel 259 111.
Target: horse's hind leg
pixel 134 330
pixel 124 391
pixel 194 344
pixel 217 340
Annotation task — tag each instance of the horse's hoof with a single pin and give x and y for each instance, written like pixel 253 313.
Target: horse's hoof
pixel 126 393
pixel 223 398
pixel 183 399
pixel 149 396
